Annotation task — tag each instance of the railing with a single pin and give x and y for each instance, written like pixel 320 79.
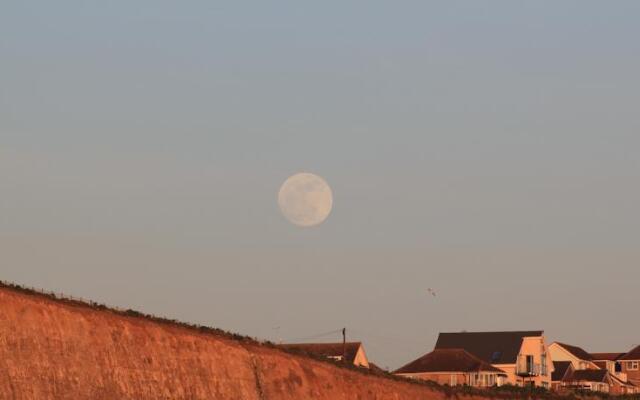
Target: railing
pixel 526 367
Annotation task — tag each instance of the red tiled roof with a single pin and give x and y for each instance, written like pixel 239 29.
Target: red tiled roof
pixel 606 356
pixel 634 354
pixel 576 351
pixel 326 349
pixel 491 347
pixel 447 360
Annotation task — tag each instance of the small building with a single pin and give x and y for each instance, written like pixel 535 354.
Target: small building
pixel 522 355
pixel 350 352
pixel 452 367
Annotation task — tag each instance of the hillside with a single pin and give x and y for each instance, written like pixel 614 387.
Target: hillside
pixel 51 348
pixel 62 349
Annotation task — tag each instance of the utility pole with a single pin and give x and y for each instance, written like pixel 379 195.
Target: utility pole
pixel 344 344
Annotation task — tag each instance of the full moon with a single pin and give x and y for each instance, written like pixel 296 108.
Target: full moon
pixel 305 199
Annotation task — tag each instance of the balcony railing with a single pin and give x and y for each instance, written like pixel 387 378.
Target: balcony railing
pixel 526 367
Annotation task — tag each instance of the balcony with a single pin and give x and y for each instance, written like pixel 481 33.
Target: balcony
pixel 525 367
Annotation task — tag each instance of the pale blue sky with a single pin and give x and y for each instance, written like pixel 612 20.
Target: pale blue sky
pixel 485 149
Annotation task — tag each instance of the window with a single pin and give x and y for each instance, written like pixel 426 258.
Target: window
pixel 632 365
pixel 543 365
pixel 495 357
pixel 530 364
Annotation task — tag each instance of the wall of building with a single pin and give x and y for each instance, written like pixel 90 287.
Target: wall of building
pixel 360 359
pixel 537 347
pixel 632 375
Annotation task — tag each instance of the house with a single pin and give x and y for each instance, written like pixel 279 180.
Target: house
pixel 521 355
pixel 452 367
pixel 609 361
pixel 579 358
pixel 350 352
pixel 630 365
pixel 600 372
pixel 565 376
pixel 596 380
pixel 562 370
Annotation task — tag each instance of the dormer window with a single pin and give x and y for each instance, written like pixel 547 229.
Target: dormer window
pixel 633 365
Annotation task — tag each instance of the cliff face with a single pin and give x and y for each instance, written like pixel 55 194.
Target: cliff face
pixel 52 349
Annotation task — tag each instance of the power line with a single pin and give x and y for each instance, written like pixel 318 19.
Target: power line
pixel 316 336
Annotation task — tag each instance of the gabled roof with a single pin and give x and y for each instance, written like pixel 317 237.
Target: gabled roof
pixel 447 360
pixel 326 349
pixel 606 356
pixel 491 347
pixel 634 354
pixel 560 369
pixel 576 351
pixel 589 375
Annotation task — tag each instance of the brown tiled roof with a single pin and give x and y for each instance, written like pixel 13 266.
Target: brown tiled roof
pixel 634 354
pixel 560 369
pixel 576 351
pixel 447 360
pixel 326 349
pixel 606 356
pixel 588 375
pixel 491 347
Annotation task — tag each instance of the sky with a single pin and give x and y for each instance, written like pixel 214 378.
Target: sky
pixel 487 150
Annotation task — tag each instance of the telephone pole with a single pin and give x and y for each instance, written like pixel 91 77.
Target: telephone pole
pixel 344 344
